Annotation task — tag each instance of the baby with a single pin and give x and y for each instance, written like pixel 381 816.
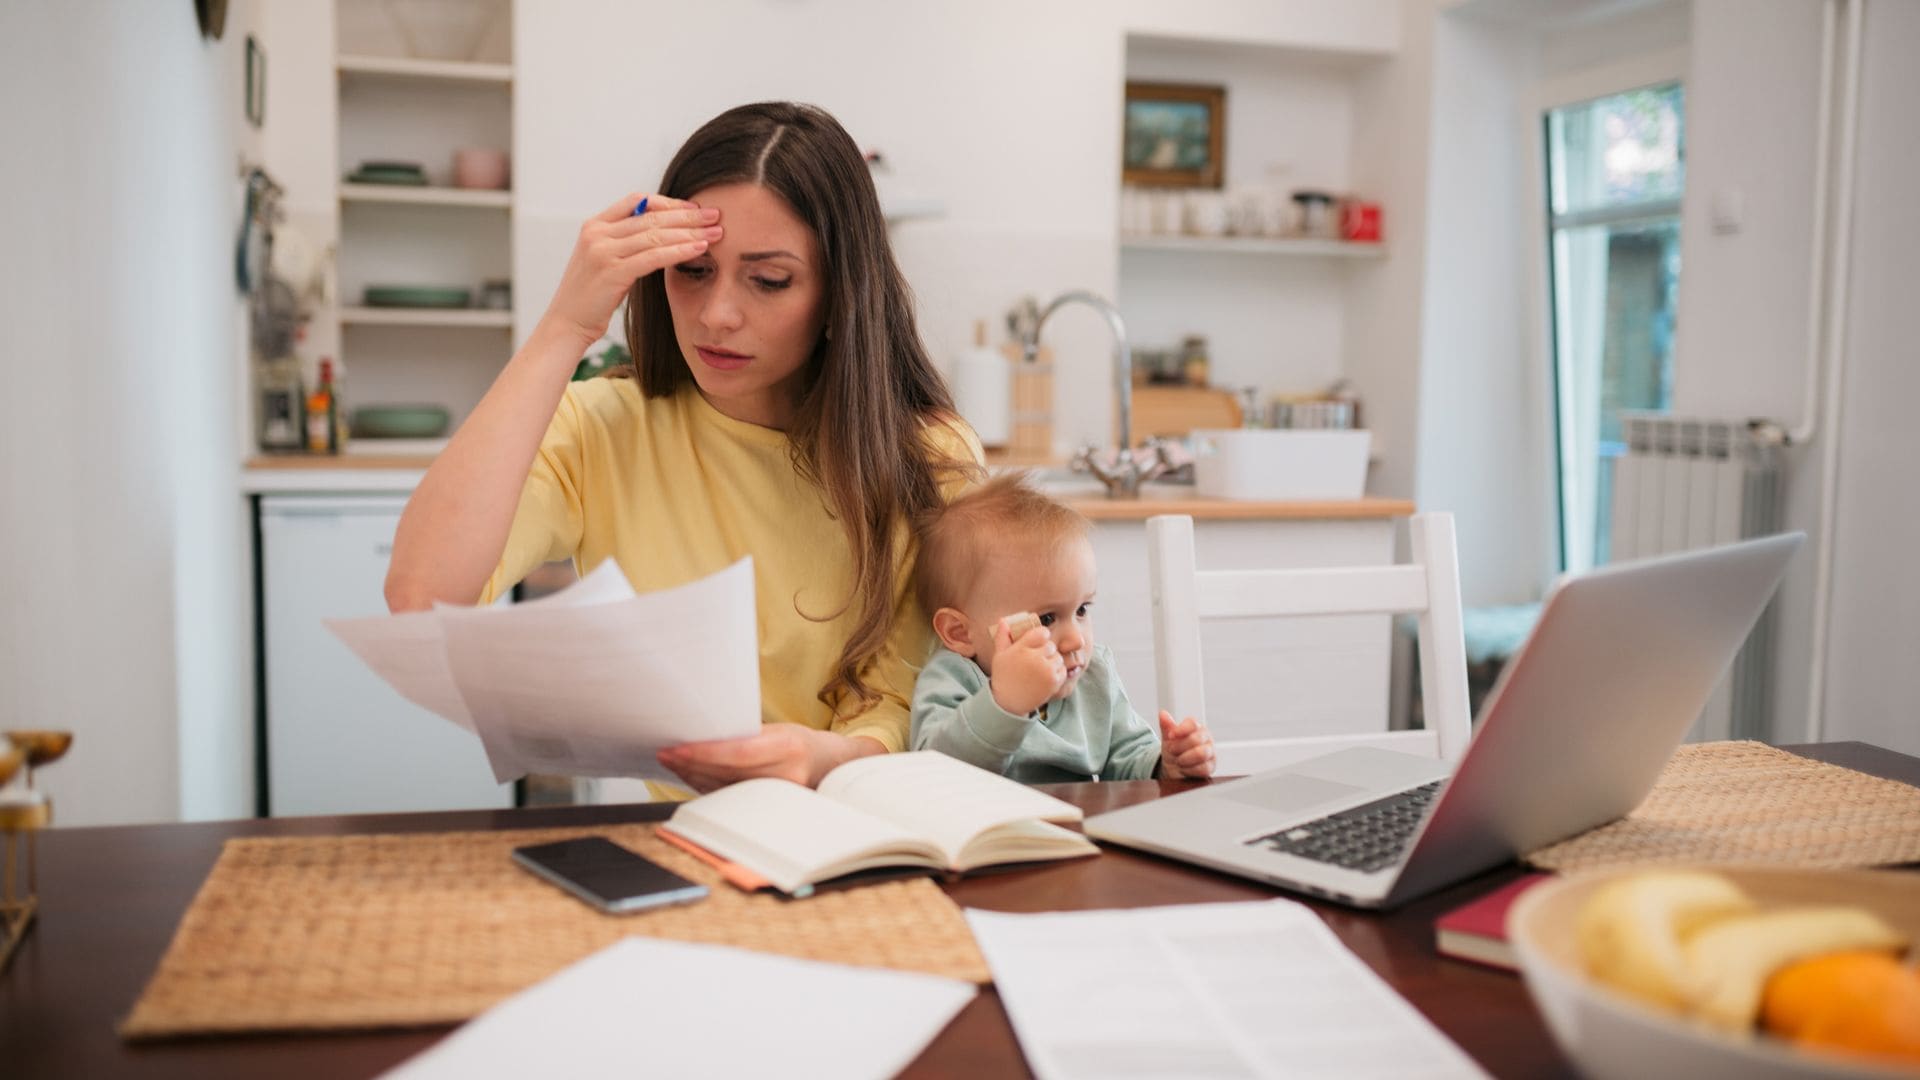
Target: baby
pixel 1018 685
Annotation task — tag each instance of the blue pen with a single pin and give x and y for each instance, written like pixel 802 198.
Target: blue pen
pixel 641 209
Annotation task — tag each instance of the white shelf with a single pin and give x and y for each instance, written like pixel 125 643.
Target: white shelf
pixel 367 446
pixel 400 316
pixel 425 196
pixel 1256 245
pixel 396 67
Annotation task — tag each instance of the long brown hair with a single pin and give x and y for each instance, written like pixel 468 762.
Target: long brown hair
pixel 868 392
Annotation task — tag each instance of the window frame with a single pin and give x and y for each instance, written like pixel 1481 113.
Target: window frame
pixel 1646 70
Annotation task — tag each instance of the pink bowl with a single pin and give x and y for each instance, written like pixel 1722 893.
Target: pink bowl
pixel 478 167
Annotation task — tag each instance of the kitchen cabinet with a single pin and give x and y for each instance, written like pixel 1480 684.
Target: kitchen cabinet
pixel 338 740
pixel 393 107
pixel 1275 309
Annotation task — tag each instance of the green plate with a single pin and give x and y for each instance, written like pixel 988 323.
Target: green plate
pixel 401 178
pixel 418 296
pixel 388 172
pixel 399 422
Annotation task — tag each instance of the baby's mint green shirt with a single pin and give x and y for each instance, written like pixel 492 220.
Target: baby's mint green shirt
pixel 1091 734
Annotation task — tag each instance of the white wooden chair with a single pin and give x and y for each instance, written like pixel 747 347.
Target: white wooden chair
pixel 1183 595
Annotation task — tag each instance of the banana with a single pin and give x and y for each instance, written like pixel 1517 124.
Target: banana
pixel 1632 932
pixel 1728 963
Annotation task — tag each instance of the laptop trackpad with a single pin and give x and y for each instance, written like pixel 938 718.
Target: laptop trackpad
pixel 1289 792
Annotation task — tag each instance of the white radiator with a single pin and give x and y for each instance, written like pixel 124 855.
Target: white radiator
pixel 1686 483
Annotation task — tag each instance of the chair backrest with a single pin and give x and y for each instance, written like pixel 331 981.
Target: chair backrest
pixel 1428 586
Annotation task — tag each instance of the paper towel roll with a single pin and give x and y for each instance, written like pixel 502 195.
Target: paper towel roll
pixel 983 392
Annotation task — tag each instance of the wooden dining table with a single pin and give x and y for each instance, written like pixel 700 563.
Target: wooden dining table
pixel 111 898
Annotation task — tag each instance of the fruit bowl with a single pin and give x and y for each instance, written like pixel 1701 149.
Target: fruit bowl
pixel 1609 1034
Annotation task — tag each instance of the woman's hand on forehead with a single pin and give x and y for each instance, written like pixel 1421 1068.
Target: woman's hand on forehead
pixel 618 247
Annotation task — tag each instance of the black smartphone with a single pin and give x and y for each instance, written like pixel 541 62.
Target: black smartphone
pixel 607 875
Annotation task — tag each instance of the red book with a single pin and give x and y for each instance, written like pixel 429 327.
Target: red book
pixel 1477 930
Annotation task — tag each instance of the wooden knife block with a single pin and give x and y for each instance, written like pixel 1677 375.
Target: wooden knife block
pixel 1030 438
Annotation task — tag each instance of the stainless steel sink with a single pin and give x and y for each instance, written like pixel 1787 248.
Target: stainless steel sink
pixel 1067 484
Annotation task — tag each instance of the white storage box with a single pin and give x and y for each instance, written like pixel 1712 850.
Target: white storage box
pixel 1253 463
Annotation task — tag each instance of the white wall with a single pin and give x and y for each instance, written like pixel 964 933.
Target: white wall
pixel 1601 33
pixel 1872 682
pixel 1742 343
pixel 121 618
pixel 1390 148
pixel 1740 347
pixel 1485 408
pixel 1006 112
pixel 1485 451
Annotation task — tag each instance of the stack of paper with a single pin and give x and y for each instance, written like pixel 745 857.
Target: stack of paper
pixel 1259 989
pixel 591 681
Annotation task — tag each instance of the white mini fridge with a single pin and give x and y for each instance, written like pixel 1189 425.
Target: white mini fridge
pixel 338 739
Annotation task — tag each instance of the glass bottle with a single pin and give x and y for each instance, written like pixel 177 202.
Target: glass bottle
pixel 322 421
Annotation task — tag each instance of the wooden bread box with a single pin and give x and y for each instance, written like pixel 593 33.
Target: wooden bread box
pixel 1176 411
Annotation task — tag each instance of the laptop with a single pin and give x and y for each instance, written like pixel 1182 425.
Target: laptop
pixel 1573 735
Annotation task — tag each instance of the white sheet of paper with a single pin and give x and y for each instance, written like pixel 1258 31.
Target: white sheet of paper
pixel 604 583
pixel 410 652
pixel 592 681
pixel 598 690
pixel 644 1007
pixel 1258 989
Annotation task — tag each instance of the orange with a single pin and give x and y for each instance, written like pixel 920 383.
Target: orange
pixel 1866 1002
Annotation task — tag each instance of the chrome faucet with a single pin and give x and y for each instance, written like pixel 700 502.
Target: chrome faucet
pixel 1123 470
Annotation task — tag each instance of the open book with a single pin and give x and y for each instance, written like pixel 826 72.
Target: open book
pixel 919 809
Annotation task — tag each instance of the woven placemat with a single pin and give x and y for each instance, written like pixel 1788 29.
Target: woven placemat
pixel 1746 802
pixel 307 933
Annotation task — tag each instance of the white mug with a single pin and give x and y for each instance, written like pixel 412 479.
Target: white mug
pixel 1206 213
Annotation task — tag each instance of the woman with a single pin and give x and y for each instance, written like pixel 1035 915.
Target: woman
pixel 782 407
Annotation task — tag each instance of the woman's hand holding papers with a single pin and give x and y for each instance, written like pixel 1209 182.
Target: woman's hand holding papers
pixel 788 751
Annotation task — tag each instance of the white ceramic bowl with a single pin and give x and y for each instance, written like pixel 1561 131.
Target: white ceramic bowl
pixel 1609 1035
pixel 1248 463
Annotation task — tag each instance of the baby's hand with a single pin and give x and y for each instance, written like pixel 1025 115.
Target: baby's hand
pixel 1186 749
pixel 1026 672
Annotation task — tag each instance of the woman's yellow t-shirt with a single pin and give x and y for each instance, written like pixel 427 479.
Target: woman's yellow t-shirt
pixel 675 490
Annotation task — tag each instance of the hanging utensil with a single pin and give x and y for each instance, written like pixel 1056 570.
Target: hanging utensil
pixel 257 218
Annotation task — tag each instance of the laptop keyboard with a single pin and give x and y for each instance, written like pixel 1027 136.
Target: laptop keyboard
pixel 1366 838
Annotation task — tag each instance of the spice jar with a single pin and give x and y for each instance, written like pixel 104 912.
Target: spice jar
pixel 1315 214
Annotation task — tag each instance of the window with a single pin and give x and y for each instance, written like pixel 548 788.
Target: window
pixel 1615 168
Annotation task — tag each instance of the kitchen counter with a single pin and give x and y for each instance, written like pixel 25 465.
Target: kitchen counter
pixel 295 474
pixel 350 473
pixel 1158 501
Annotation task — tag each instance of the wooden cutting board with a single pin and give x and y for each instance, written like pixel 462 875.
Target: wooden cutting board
pixel 1175 411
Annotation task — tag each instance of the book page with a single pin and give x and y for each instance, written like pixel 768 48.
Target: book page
pixel 941 798
pixel 792 835
pixel 1259 989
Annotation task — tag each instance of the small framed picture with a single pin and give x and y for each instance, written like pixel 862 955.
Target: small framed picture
pixel 1175 135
